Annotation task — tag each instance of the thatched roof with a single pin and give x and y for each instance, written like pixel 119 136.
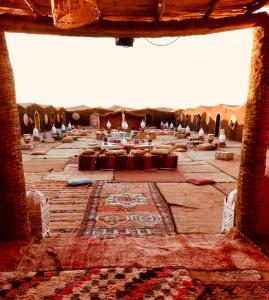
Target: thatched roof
pixel 138 18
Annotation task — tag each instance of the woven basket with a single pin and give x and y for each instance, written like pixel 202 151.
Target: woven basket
pixel 69 14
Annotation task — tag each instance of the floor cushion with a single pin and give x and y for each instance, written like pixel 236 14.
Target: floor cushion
pixel 138 152
pixel 181 146
pixel 88 152
pixel 80 181
pixel 200 181
pixel 67 139
pixel 205 147
pixel 116 152
pixel 160 151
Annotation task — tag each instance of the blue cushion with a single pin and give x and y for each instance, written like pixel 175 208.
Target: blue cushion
pixel 80 181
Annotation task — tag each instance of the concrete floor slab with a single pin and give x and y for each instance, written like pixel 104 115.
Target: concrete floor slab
pixel 71 171
pixel 217 177
pixel 74 145
pixel 230 167
pixel 200 155
pixel 182 157
pixel 62 153
pixel 190 162
pixel 225 187
pixel 197 168
pixel 44 165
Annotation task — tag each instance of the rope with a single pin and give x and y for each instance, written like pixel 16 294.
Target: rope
pixel 162 45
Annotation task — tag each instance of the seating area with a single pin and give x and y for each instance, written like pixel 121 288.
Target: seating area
pixel 127 161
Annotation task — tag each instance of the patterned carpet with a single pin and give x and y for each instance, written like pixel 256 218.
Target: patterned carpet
pixel 126 284
pixel 250 290
pixel 126 209
pixel 66 204
pixel 95 284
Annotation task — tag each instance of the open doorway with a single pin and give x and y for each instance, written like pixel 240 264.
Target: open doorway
pixel 198 124
pixel 52 118
pixel 37 120
pixel 148 120
pixel 94 120
pixel 63 117
pixel 217 125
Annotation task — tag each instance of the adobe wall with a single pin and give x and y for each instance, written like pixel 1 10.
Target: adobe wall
pixel 85 116
pixel 208 117
pixel 158 116
pixel 47 116
pixel 133 121
pixel 114 119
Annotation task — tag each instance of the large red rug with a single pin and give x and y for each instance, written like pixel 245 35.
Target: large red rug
pixel 95 284
pixel 126 209
pixel 149 176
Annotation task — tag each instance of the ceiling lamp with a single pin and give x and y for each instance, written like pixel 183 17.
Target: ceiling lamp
pixel 69 14
pixel 125 41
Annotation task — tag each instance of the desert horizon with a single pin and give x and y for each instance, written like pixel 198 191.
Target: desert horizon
pixel 119 107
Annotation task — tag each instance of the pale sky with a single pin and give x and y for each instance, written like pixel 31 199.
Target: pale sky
pixel 193 71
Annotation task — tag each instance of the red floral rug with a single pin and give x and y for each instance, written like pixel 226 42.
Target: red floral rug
pixel 95 284
pixel 244 290
pixel 126 209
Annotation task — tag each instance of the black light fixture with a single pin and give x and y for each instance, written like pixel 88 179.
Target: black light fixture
pixel 125 41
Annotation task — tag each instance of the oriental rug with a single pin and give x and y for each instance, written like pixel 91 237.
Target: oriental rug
pixel 244 290
pixel 104 283
pixel 126 209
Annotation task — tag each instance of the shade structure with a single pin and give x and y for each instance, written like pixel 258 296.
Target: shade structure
pixel 68 14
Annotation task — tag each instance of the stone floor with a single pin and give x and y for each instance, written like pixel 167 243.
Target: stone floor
pixel 197 211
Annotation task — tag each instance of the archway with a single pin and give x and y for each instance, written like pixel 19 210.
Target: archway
pixel 148 120
pixel 52 118
pixel 198 124
pixel 217 125
pixel 187 120
pixel 63 117
pixel 37 120
pixel 94 120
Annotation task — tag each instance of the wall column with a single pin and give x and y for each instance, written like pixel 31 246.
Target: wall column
pixel 13 209
pixel 252 217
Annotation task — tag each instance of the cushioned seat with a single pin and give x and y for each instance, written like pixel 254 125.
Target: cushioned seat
pixel 87 162
pixel 80 181
pixel 168 161
pixel 205 147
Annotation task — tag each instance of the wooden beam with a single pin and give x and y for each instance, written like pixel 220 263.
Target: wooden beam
pixel 44 25
pixel 255 5
pixel 160 9
pixel 210 9
pixel 32 5
pixel 17 11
